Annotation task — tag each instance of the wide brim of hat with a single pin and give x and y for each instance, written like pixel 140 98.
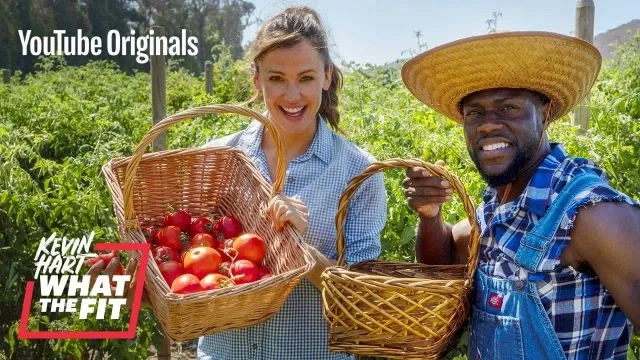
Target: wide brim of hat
pixel 563 68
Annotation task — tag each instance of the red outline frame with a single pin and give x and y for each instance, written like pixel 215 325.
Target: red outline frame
pixel 24 333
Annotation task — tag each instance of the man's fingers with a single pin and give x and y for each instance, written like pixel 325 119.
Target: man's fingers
pixel 112 266
pixel 427 191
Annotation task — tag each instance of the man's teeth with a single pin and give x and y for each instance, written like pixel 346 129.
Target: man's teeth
pixel 495 146
pixel 293 110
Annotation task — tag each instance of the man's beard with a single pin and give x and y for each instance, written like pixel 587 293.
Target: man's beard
pixel 511 173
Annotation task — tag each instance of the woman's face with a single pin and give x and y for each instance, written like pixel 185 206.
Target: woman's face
pixel 291 81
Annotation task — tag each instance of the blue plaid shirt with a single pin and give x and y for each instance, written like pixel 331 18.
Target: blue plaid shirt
pixel 583 313
pixel 318 177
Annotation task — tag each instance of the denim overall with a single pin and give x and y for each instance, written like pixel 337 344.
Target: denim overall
pixel 509 321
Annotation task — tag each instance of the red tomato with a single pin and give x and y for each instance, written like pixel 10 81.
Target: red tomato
pixel 150 233
pixel 200 225
pixel 169 236
pixel 201 261
pixel 180 218
pixel 250 247
pixel 263 272
pixel 223 249
pixel 202 240
pixel 170 270
pixel 213 281
pixel 105 257
pixel 229 226
pixel 244 271
pixel 185 284
pixel 164 253
pixel 224 268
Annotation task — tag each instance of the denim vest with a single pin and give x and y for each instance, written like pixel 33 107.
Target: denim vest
pixel 509 320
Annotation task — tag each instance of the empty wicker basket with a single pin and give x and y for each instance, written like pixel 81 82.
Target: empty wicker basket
pixel 397 310
pixel 211 180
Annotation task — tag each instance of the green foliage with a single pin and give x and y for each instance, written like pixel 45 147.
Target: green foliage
pixel 59 125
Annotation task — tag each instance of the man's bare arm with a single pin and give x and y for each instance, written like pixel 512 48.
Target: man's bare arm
pixel 607 237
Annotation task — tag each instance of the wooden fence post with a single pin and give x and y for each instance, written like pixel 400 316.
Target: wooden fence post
pixel 208 77
pixel 6 76
pixel 585 10
pixel 158 91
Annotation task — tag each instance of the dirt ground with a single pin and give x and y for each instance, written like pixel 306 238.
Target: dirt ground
pixel 184 351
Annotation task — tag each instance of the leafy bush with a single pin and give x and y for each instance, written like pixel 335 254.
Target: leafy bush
pixel 61 124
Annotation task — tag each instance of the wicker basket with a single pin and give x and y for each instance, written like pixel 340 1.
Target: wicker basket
pixel 397 310
pixel 207 180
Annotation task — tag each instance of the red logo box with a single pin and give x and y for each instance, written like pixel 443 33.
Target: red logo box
pixel 24 333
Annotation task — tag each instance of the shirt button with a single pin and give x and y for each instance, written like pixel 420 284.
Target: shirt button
pixel 519 284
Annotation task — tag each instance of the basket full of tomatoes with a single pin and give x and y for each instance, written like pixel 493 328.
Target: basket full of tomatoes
pixel 218 264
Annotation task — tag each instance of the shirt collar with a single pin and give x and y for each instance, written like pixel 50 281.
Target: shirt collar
pixel 321 144
pixel 321 147
pixel 535 196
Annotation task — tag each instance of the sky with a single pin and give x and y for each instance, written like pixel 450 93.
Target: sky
pixel 381 31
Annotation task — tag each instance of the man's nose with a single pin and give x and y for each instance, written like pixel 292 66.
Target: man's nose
pixel 490 123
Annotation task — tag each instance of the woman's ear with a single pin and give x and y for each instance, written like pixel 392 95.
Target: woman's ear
pixel 327 77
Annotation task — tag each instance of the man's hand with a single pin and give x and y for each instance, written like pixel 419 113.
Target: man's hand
pixel 284 209
pixel 426 192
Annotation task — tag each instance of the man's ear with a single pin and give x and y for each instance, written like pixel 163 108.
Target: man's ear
pixel 546 111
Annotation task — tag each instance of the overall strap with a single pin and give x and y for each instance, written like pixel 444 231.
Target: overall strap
pixel 533 246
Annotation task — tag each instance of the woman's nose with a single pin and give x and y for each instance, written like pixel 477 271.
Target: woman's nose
pixel 292 92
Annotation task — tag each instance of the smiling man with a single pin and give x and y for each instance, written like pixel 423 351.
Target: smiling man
pixel 558 272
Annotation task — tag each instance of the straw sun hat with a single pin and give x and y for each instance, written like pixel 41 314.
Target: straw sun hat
pixel 561 67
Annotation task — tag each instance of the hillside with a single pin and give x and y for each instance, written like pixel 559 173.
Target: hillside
pixel 607 41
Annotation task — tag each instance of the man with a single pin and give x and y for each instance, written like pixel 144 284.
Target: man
pixel 559 261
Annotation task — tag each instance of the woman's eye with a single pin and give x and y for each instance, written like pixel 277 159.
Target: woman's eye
pixel 275 78
pixel 307 78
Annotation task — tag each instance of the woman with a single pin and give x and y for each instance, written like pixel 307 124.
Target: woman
pixel 295 77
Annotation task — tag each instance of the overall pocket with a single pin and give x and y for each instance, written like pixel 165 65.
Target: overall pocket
pixel 494 337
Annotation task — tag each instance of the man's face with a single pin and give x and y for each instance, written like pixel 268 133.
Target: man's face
pixel 503 129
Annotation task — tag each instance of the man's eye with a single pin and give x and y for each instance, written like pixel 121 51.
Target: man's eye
pixel 472 113
pixel 509 107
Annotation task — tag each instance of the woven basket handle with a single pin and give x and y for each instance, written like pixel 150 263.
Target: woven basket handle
pixel 132 167
pixel 375 167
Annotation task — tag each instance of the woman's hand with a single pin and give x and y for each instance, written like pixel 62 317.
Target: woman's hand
pixel 322 262
pixel 284 209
